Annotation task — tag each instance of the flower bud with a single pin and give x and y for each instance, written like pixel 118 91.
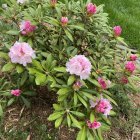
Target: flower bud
pixel 117 31
pixel 91 9
pixel 64 21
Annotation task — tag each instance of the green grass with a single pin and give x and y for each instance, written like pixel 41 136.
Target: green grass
pixel 125 13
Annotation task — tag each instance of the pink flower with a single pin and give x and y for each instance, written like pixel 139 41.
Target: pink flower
pixel 91 9
pixel 79 65
pixel 102 106
pixel 26 27
pixel 103 83
pixel 53 2
pixel 21 1
pixel 77 85
pixel 21 53
pixel 133 57
pixel 93 125
pixel 124 80
pixel 64 21
pixel 16 92
pixel 117 30
pixel 130 66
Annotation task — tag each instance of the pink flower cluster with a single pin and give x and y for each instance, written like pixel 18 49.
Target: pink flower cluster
pixel 103 83
pixel 93 125
pixel 21 53
pixel 102 106
pixel 64 21
pixel 133 57
pixel 16 92
pixel 91 8
pixel 130 66
pixel 80 66
pixel 26 27
pixel 117 30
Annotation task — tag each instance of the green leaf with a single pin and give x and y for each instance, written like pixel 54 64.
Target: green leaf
pixel 4 55
pixel 75 122
pixel 68 34
pixel 58 122
pixel 8 67
pixel 68 120
pixel 19 68
pixel 26 102
pixel 63 91
pixel 94 82
pixel 75 99
pixel 57 107
pixel 1 111
pixel 92 117
pixel 29 93
pixel 82 101
pixel 40 79
pixel 78 114
pixel 112 113
pixel 88 95
pixel 23 78
pixel 60 69
pixel 11 101
pixel 37 64
pixel 55 116
pixel 13 32
pixel 82 134
pixel 89 135
pixel 71 80
pixel 99 134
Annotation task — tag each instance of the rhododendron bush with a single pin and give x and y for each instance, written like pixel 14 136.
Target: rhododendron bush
pixel 70 48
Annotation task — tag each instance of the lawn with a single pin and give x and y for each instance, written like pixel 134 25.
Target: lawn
pixel 127 14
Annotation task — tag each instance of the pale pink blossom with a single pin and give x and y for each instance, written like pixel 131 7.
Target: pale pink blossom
pixel 26 27
pixel 64 21
pixel 91 8
pixel 80 66
pixel 124 80
pixel 101 106
pixel 77 85
pixel 53 2
pixel 16 92
pixel 130 66
pixel 117 30
pixel 21 1
pixel 93 125
pixel 21 53
pixel 133 57
pixel 104 83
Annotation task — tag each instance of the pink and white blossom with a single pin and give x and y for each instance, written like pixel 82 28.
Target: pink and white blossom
pixel 130 66
pixel 77 85
pixel 16 92
pixel 117 30
pixel 101 106
pixel 93 125
pixel 26 27
pixel 91 8
pixel 21 53
pixel 80 66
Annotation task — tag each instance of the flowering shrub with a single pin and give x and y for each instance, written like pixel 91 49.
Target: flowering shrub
pixel 70 48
